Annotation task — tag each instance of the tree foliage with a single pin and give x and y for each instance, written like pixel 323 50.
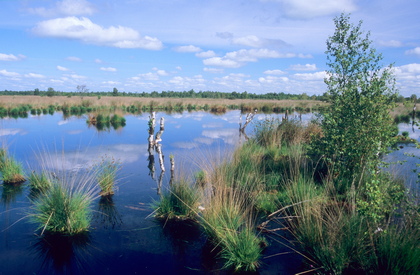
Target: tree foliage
pixel 357 124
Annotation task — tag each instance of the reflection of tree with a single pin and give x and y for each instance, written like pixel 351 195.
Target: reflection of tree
pixel 107 213
pixel 63 254
pixel 248 119
pixel 155 146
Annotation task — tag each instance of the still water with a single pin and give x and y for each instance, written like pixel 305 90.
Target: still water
pixel 124 238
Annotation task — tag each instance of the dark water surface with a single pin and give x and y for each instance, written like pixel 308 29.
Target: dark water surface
pixel 124 239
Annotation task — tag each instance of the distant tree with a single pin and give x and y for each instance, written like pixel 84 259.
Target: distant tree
pixel 50 92
pixel 115 92
pixel 36 91
pixel 356 126
pixel 82 89
pixel 413 98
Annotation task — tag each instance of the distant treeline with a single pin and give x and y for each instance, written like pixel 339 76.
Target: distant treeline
pixel 82 91
pixel 169 94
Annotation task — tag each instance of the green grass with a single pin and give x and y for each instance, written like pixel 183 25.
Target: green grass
pixel 180 201
pixel 106 175
pixel 62 211
pixel 11 170
pixel 39 182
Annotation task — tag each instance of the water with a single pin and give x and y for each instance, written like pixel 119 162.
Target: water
pixel 124 239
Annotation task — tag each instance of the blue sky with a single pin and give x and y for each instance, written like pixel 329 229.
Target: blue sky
pixel 257 46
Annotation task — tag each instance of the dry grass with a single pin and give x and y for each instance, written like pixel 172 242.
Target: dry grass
pixel 39 102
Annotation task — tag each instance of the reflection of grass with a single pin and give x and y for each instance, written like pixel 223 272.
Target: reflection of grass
pixel 63 254
pixel 10 192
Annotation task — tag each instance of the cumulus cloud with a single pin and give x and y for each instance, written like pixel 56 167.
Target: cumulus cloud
pixel 303 9
pixel 252 40
pixel 65 7
pixel 222 62
pixel 63 69
pixel 9 74
pixel 415 51
pixel 306 67
pixel 213 70
pixel 108 69
pixel 85 30
pixel 33 75
pixel 311 76
pixel 187 49
pixel 11 57
pixel 274 72
pixel 391 43
pixel 239 58
pixel 272 79
pixel 206 54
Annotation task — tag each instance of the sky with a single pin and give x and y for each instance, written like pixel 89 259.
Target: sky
pixel 258 46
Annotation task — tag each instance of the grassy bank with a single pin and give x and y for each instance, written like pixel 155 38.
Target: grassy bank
pixel 136 104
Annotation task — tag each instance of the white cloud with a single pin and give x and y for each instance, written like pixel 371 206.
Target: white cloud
pixel 272 79
pixel 74 58
pixel 10 132
pixel 250 40
pixel 98 61
pixel 108 69
pixel 311 76
pixel 222 62
pixel 11 57
pixel 65 7
pixel 187 49
pixel 111 83
pixel 239 58
pixel 303 9
pixel 415 51
pixel 213 70
pixel 206 54
pixel 63 69
pixel 274 72
pixel 413 68
pixel 9 74
pixel 391 43
pixel 74 76
pixel 33 75
pixel 306 67
pixel 85 30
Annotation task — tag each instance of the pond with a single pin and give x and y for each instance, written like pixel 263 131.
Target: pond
pixel 124 237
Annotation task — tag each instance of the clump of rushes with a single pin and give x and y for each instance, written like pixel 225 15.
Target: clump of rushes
pixel 228 222
pixel 11 170
pixel 39 182
pixel 106 175
pixel 181 201
pixel 63 211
